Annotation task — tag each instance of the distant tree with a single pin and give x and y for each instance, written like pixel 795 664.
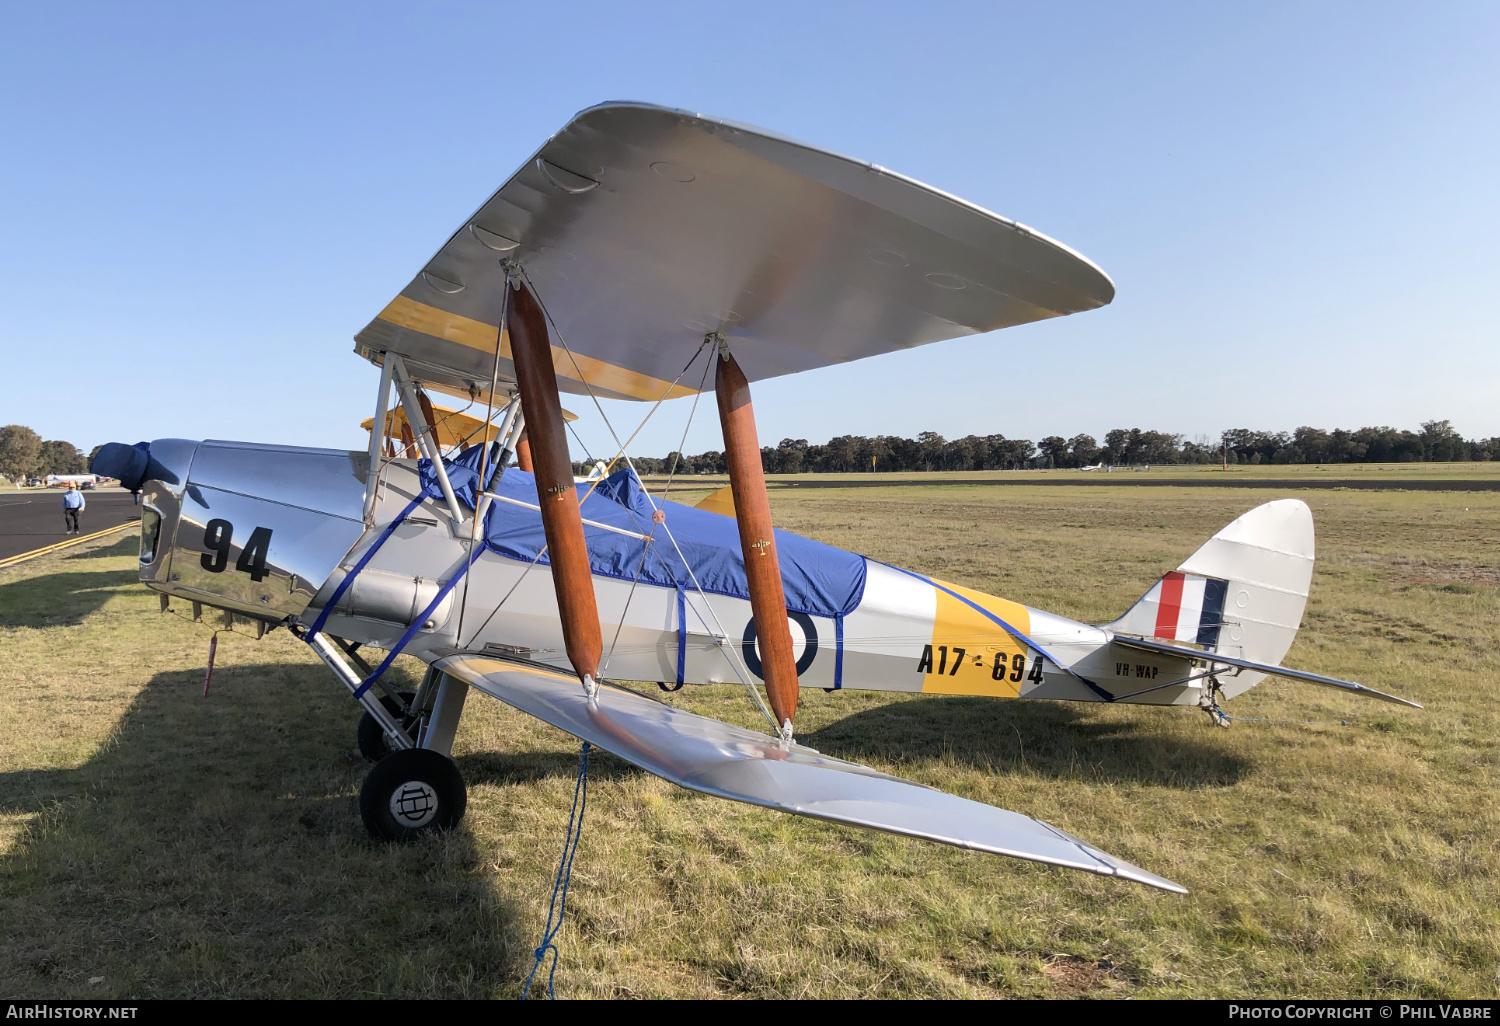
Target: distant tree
pixel 20 448
pixel 930 448
pixel 1083 450
pixel 843 454
pixel 1442 444
pixel 1115 443
pixel 1160 447
pixel 57 457
pixel 967 453
pixel 1016 453
pixel 1313 445
pixel 1343 448
pixel 793 455
pixel 1054 451
pixel 711 462
pixel 1200 450
pixel 1254 446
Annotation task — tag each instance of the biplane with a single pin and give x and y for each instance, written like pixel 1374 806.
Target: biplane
pixel 651 254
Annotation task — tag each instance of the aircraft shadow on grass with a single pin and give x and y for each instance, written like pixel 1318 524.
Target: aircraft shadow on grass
pixel 1053 739
pixel 127 545
pixel 214 848
pixel 68 597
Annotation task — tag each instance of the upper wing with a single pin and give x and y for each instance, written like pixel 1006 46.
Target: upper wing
pixel 713 757
pixel 1151 645
pixel 644 228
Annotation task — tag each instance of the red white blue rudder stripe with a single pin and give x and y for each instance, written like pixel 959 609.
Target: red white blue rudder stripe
pixel 1180 607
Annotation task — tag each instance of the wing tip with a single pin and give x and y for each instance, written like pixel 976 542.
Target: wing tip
pixel 1112 866
pixel 1126 871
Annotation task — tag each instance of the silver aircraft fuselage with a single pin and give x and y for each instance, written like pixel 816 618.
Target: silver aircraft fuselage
pixel 268 532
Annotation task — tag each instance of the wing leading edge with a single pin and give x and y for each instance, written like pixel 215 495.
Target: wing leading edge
pixel 715 758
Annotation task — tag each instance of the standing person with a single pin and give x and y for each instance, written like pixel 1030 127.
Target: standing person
pixel 73 505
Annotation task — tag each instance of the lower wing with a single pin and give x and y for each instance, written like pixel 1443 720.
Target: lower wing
pixel 715 758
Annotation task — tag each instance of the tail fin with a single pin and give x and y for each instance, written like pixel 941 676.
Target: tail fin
pixel 1241 594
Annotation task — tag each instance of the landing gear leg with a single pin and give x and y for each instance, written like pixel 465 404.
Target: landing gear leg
pixel 374 745
pixel 412 791
pixel 1208 701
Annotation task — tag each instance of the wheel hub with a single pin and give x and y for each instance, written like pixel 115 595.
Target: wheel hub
pixel 414 804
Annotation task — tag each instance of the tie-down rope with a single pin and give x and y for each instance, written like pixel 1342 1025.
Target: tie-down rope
pixel 558 906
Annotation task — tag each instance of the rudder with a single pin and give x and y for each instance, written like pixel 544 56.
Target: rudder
pixel 1242 593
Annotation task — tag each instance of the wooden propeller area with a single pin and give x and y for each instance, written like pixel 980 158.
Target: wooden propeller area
pixel 543 450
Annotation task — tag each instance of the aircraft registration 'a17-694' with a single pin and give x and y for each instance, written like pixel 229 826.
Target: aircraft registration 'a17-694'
pixel 649 254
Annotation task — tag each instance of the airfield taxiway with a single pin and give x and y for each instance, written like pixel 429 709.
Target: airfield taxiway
pixel 32 518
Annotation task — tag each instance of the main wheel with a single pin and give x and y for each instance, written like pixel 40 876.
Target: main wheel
pixel 410 793
pixel 372 742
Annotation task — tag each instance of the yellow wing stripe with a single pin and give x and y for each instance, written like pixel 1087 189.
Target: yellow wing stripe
pixel 721 502
pixel 466 331
pixel 988 650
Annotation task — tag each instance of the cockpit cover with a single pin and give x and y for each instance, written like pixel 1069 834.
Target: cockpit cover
pixel 818 579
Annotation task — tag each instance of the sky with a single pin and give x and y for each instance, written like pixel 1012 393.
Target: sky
pixel 1299 204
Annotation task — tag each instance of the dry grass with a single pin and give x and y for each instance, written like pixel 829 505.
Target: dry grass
pixel 178 846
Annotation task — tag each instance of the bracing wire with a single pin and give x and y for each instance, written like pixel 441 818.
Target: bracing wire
pixel 484 454
pixel 672 470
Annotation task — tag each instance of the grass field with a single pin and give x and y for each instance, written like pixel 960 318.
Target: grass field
pixel 154 842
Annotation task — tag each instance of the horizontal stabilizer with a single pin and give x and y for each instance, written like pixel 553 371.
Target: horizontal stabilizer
pixel 1148 645
pixel 715 758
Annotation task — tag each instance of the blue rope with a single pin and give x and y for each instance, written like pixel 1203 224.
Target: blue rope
pixel 1264 719
pixel 558 907
pixel 417 624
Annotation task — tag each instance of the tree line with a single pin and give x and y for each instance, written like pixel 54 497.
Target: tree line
pixel 24 453
pixel 1438 441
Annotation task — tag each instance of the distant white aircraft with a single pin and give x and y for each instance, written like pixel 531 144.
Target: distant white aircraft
pixel 1096 466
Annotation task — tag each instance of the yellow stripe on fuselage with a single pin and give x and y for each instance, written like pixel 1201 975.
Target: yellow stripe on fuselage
pixel 960 628
pixel 466 331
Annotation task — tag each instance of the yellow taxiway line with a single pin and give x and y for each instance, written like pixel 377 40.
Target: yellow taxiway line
pixel 46 550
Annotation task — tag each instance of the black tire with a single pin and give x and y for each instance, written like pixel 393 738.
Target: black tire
pixel 372 743
pixel 410 793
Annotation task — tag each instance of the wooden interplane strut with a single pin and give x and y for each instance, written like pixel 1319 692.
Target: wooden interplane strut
pixel 561 519
pixel 523 454
pixel 747 482
pixel 429 415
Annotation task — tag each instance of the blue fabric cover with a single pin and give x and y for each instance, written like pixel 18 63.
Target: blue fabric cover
pixel 463 473
pixel 132 464
pixel 819 579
